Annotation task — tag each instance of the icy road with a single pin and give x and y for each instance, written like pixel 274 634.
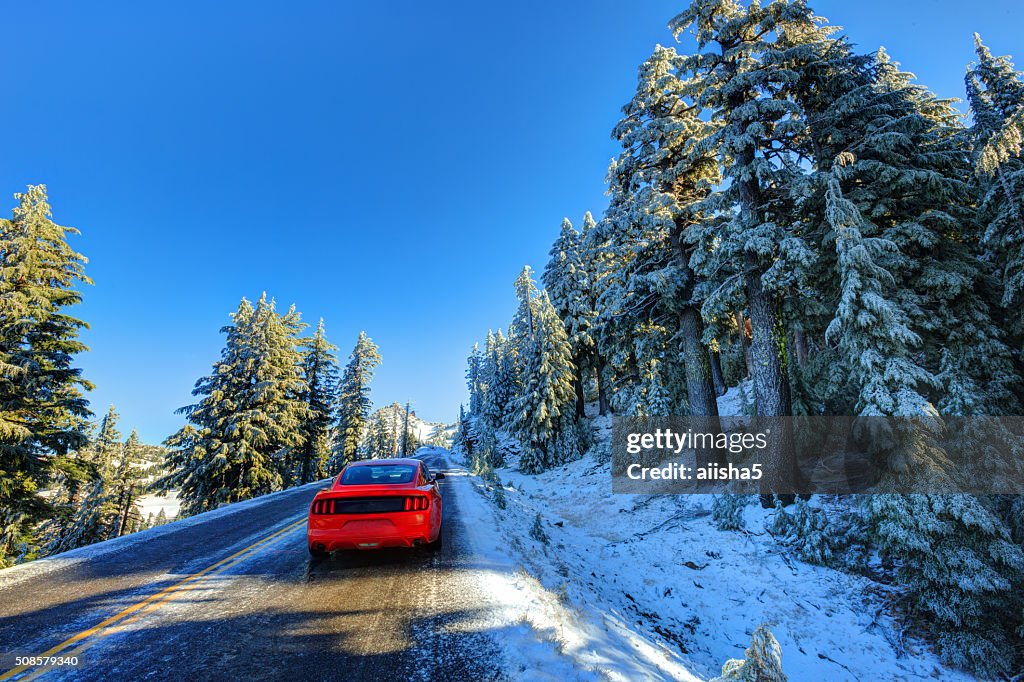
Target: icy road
pixel 233 594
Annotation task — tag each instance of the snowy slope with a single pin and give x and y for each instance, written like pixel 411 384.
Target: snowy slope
pixel 657 571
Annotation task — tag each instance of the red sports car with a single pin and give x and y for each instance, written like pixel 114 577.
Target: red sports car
pixel 377 503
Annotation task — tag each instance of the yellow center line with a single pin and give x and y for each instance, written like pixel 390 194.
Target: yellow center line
pixel 153 601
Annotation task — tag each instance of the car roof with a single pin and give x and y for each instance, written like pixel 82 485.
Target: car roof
pixel 378 462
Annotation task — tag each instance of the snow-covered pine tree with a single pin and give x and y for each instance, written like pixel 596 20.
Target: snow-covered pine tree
pixel 278 406
pixel 354 399
pixel 763 662
pixel 247 419
pixel 379 438
pixel 739 81
pixel 567 279
pixel 126 484
pixel 462 441
pixel 872 332
pixel 936 229
pixel 320 374
pixel 619 311
pixel 408 438
pixel 489 406
pixel 600 262
pixel 473 378
pixel 90 523
pixel 505 383
pixel 911 329
pixel 108 442
pixel 546 405
pixel 524 320
pixel 652 399
pixel 42 408
pixel 727 511
pixel 995 91
pixel 963 573
pixel 659 184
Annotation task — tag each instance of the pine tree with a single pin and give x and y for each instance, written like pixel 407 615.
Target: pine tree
pixel 108 442
pixel 477 389
pixel 995 91
pixel 246 424
pixel 408 439
pixel 545 406
pixel 354 399
pixel 42 409
pixel 500 375
pixel 962 571
pixel 890 186
pixel 125 485
pixel 659 185
pixel 740 89
pixel 568 280
pixel 90 523
pixel 279 409
pixel 524 320
pixel 161 518
pixel 602 261
pixel 462 439
pixel 320 374
pixel 763 662
pixel 871 330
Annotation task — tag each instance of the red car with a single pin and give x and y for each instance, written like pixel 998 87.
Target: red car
pixel 377 503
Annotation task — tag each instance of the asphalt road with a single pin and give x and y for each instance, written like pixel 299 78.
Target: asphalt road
pixel 204 603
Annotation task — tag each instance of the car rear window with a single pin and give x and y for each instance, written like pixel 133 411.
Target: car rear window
pixel 378 474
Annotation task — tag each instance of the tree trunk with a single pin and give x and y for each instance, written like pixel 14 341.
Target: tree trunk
pixel 581 404
pixel 602 393
pixel 800 346
pixel 771 380
pixel 700 387
pixel 741 323
pixel 700 384
pixel 716 372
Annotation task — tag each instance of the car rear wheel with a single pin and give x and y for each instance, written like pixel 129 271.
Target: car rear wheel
pixel 435 546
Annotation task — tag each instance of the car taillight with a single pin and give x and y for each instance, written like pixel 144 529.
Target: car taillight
pixel 323 506
pixel 416 503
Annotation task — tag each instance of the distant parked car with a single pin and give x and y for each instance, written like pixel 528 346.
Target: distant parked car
pixel 377 503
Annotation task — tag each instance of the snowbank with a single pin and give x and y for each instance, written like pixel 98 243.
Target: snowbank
pixel 648 588
pixel 544 635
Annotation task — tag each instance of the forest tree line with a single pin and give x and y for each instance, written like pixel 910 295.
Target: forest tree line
pixel 805 220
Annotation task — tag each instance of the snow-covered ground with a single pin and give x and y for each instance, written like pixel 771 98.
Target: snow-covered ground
pixel 642 587
pixel 545 636
pixel 153 503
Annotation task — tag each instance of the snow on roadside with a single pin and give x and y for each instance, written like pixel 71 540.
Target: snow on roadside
pixel 544 635
pixel 650 577
pixel 20 572
pixel 153 503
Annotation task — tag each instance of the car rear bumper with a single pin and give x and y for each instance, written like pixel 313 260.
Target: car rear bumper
pixel 332 533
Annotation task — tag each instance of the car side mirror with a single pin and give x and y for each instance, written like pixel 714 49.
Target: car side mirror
pixel 438 476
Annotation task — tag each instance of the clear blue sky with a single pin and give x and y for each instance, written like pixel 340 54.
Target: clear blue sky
pixel 388 166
